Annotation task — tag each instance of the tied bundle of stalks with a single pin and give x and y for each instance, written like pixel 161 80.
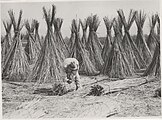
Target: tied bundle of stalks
pixel 72 38
pixel 158 27
pixel 154 66
pixel 96 90
pixel 120 26
pixel 84 25
pixel 141 43
pixel 6 41
pixel 48 67
pixel 36 36
pixel 16 66
pixel 59 89
pixel 31 48
pixel 59 39
pixel 108 42
pixel 117 65
pixel 75 51
pixel 151 41
pixel 81 54
pixel 93 44
pixel 132 52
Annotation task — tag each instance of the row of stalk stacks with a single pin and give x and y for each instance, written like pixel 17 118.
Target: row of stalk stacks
pixel 120 56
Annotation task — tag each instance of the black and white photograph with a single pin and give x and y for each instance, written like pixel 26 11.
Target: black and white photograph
pixel 80 59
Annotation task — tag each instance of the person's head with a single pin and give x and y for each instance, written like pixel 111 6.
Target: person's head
pixel 71 70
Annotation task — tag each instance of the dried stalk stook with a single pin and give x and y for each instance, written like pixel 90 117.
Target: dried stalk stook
pixel 16 66
pixel 154 66
pixel 48 67
pixel 108 42
pixel 132 52
pixel 81 54
pixel 84 25
pixel 6 41
pixel 32 47
pixel 93 45
pixel 151 41
pixel 141 43
pixel 72 38
pixel 36 35
pixel 59 39
pixel 117 65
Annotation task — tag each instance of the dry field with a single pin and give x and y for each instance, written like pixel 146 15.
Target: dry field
pixel 20 102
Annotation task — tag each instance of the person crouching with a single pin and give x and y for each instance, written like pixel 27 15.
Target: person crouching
pixel 71 67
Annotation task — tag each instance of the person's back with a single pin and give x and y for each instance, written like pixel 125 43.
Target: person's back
pixel 71 67
pixel 68 61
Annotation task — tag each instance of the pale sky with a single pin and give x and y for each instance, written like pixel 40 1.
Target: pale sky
pixel 82 9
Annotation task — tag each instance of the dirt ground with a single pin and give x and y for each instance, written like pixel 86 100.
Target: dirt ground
pixel 20 102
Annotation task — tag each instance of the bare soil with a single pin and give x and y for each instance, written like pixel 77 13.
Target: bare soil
pixel 20 102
